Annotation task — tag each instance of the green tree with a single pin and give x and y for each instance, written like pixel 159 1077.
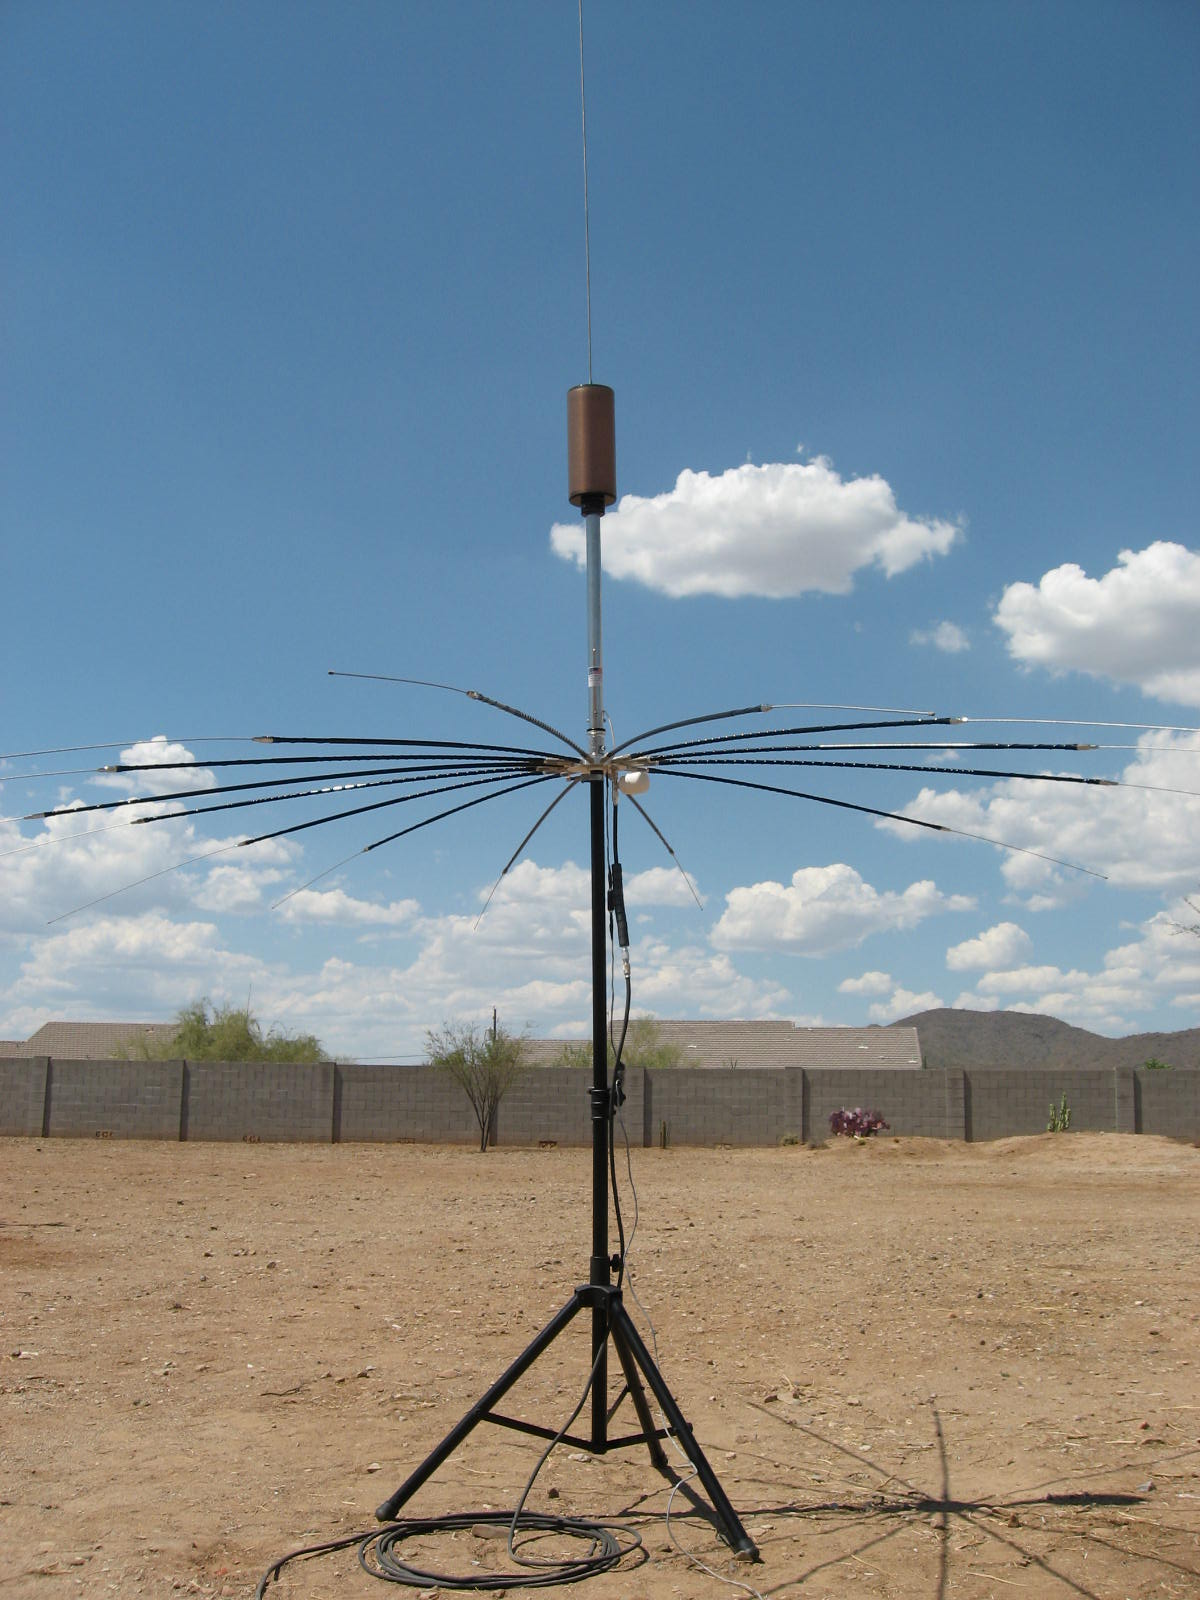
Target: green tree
pixel 205 1032
pixel 485 1063
pixel 644 1047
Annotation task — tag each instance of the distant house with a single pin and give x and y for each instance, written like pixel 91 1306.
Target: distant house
pixel 771 1044
pixel 88 1041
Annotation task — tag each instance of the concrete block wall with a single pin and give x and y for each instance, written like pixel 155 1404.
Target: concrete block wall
pixel 22 1097
pixel 699 1106
pixel 386 1103
pixel 256 1101
pixel 113 1099
pixel 917 1107
pixel 1004 1103
pixel 723 1105
pixel 553 1104
pixel 1168 1102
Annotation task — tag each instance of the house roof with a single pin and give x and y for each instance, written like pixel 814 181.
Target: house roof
pixel 91 1041
pixel 772 1044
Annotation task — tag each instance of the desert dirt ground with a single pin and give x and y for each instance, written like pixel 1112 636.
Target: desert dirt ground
pixel 919 1369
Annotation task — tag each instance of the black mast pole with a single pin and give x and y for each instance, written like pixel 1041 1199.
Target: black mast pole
pixel 600 1273
pixel 592 485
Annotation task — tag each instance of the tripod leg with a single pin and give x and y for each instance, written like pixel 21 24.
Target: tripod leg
pixel 479 1411
pixel 731 1527
pixel 633 1382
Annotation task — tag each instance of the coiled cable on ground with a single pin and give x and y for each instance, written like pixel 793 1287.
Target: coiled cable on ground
pixel 380 1554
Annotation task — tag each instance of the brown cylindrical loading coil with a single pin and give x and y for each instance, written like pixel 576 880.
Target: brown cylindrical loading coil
pixel 591 445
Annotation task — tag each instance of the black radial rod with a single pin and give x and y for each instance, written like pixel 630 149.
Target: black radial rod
pixel 453 810
pixel 414 827
pixel 787 733
pixel 401 744
pixel 887 816
pixel 396 800
pixel 420 750
pixel 691 722
pixel 887 766
pixel 356 775
pixel 656 759
pixel 568 785
pixel 338 788
pixel 663 840
pixel 470 694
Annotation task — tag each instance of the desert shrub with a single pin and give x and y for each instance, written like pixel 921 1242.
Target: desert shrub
pixel 208 1032
pixel 484 1064
pixel 644 1047
pixel 856 1124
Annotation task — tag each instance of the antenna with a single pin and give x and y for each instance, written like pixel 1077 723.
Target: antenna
pixel 592 487
pixel 434 768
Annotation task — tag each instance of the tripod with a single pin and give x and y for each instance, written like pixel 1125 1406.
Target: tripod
pixel 592 458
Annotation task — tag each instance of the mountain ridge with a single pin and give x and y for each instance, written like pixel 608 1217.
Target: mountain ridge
pixel 953 1038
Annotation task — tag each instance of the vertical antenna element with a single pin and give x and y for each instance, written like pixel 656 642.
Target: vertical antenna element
pixel 587 240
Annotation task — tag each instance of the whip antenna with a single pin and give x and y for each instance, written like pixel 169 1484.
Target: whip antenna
pixel 587 236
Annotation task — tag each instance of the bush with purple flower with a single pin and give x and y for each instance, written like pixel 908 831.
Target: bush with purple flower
pixel 856 1124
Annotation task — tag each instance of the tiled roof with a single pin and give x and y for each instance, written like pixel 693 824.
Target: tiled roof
pixel 92 1041
pixel 771 1044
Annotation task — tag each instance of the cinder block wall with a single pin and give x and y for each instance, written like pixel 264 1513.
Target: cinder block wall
pixel 1003 1103
pixel 257 1100
pixel 913 1103
pixel 684 1105
pixel 1168 1102
pixel 22 1097
pixel 722 1105
pixel 114 1099
pixel 386 1103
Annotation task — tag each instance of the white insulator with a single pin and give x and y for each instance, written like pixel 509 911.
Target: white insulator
pixel 633 780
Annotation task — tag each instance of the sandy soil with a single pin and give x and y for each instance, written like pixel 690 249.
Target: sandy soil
pixel 919 1369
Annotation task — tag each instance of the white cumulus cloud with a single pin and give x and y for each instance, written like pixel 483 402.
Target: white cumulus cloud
pixel 868 983
pixel 168 767
pixel 1162 963
pixel 944 636
pixel 998 946
pixel 824 909
pixel 660 886
pixel 777 530
pixel 1139 623
pixel 337 907
pixel 904 1003
pixel 1144 836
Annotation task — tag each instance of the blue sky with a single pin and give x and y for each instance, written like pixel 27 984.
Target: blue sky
pixel 899 307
